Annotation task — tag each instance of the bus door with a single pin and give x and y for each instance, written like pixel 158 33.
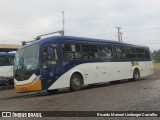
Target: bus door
pixel 52 67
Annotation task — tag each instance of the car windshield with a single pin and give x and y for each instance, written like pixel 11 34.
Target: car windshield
pixel 26 59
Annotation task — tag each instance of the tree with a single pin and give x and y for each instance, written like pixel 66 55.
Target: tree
pixel 156 56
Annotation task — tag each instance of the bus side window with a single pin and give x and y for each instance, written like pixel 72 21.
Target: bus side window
pixel 76 51
pixel 130 53
pixel 147 52
pixel 49 56
pixel 71 51
pixel 105 52
pixel 114 53
pixel 90 52
pixel 140 52
pixel 120 52
pixel 11 60
pixel 3 60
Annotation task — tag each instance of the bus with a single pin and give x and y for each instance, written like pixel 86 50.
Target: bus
pixel 6 68
pixel 73 62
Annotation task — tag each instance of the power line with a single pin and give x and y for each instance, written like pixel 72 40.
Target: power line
pixel 143 29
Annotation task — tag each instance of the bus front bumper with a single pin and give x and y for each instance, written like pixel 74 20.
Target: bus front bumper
pixel 35 86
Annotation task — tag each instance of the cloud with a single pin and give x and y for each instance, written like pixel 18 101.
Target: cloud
pixel 25 19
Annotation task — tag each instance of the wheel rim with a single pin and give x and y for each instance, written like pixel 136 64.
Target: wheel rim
pixel 76 82
pixel 136 74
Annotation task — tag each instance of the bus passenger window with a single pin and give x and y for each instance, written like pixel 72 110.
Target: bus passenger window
pixel 120 52
pixel 105 52
pixel 90 52
pixel 11 60
pixel 71 51
pixel 49 56
pixel 67 55
pixel 130 53
pixel 140 52
pixel 77 55
pixel 147 52
pixel 114 53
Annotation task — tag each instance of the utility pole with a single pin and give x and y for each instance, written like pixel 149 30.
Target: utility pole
pixel 63 22
pixel 119 38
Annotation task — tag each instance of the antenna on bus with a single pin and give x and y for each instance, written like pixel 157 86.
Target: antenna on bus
pixel 24 42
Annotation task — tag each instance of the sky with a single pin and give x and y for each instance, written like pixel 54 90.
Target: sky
pixel 23 20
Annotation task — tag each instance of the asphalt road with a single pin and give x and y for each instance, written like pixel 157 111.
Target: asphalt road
pixel 142 95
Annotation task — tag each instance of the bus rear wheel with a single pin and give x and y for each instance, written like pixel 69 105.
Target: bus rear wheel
pixel 52 91
pixel 76 82
pixel 136 74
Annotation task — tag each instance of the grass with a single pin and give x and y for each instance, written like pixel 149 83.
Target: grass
pixel 156 64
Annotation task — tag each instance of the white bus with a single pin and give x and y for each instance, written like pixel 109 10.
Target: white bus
pixel 63 61
pixel 6 68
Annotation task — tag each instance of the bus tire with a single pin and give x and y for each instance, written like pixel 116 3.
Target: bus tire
pixel 52 91
pixel 136 74
pixel 76 82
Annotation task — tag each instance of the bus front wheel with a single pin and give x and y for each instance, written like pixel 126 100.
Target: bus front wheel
pixel 76 82
pixel 136 74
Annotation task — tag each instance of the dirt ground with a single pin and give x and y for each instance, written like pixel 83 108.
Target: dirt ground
pixel 156 72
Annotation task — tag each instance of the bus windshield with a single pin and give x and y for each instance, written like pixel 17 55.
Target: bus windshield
pixel 26 59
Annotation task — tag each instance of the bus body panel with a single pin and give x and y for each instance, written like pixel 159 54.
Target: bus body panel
pixel 102 73
pixel 98 72
pixel 6 68
pixel 146 68
pixel 6 71
pixel 6 64
pixel 34 86
pixel 24 82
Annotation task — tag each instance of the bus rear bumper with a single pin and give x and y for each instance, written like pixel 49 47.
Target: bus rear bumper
pixel 35 86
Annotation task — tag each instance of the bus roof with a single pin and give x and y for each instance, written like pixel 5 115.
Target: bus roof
pixel 79 39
